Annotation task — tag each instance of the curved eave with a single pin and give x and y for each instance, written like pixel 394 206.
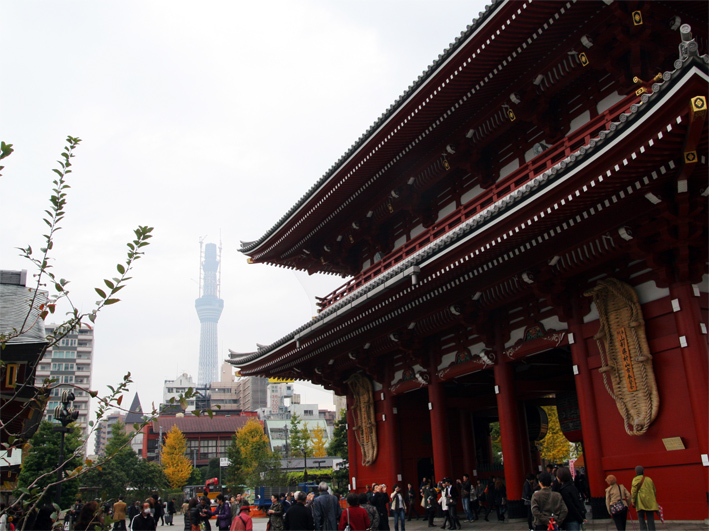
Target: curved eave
pixel 672 81
pixel 253 247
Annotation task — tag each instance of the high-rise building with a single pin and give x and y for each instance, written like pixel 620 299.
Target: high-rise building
pixel 104 431
pixel 251 392
pixel 209 309
pixel 69 362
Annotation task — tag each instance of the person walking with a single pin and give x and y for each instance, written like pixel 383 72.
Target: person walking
pixel 490 497
pixel 617 498
pixel 572 500
pixel 500 499
pixel 144 521
pixel 223 513
pixel 299 517
pixel 527 492
pixel 466 487
pixel 371 511
pixel 476 495
pixel 380 500
pixel 429 502
pixel 546 504
pixel 190 513
pixel 275 515
pixel 119 515
pixel 171 510
pixel 644 498
pixel 398 508
pixel 354 517
pixel 326 510
pixel 410 500
pixel 242 521
pixel 452 500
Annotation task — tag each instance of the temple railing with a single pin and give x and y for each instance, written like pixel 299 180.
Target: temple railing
pixel 521 176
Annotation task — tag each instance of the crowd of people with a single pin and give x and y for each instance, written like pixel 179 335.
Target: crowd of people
pixel 554 497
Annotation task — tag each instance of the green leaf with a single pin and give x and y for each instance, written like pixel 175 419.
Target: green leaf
pixel 101 293
pixel 111 301
pixel 108 283
pixel 121 269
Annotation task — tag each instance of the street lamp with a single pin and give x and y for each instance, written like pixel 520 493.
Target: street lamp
pixel 66 414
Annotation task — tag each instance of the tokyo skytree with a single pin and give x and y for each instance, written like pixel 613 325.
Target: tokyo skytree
pixel 209 309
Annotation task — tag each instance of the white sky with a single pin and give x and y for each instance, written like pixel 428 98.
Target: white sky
pixel 199 119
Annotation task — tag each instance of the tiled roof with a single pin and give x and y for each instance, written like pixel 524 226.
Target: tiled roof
pixel 15 300
pixel 433 67
pixel 490 214
pixel 202 424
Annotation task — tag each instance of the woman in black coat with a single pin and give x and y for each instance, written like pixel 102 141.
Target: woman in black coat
pixel 191 514
pixel 572 500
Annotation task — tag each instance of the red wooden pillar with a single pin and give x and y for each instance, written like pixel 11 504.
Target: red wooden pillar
pixel 693 345
pixel 391 435
pixel 467 442
pixel 587 407
pixel 352 445
pixel 509 430
pixel 439 428
pixel 526 448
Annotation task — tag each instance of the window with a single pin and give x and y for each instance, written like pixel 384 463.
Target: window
pixel 62 366
pixel 64 353
pixel 67 378
pixel 308 412
pixel 67 342
pixel 11 370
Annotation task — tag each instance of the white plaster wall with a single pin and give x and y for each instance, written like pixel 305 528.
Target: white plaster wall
pixel 446 360
pixel 418 229
pixel 450 207
pixel 509 168
pixel 579 120
pixel 608 102
pixel 515 335
pixel 471 194
pixel 400 241
pixel 648 292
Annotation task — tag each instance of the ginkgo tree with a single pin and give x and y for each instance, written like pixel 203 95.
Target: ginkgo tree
pixel 174 461
pixel 318 442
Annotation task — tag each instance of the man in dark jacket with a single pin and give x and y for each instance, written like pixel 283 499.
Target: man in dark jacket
pixel 326 510
pixel 144 521
pixel 299 517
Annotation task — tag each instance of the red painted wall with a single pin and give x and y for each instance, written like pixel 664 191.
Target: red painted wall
pixel 679 474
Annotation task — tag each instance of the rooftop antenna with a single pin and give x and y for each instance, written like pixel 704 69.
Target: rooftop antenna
pixel 201 258
pixel 219 271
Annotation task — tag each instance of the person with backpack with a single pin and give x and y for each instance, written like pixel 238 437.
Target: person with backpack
pixel 243 521
pixel 547 504
pixel 223 513
pixel 572 500
pixel 645 499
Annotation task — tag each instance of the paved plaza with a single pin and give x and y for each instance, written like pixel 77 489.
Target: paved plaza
pixel 521 525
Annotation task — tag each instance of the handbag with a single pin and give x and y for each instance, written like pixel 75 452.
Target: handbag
pixel 347 527
pixel 619 507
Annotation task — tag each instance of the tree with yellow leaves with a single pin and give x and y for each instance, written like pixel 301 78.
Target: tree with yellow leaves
pixel 317 440
pixel 172 456
pixel 554 447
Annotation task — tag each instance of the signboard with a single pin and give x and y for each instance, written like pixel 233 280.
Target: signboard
pixel 626 361
pixel 281 380
pixel 224 462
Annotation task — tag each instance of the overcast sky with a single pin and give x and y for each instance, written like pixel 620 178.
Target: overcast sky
pixel 201 119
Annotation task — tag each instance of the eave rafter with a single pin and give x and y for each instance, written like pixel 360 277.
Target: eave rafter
pixel 636 175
